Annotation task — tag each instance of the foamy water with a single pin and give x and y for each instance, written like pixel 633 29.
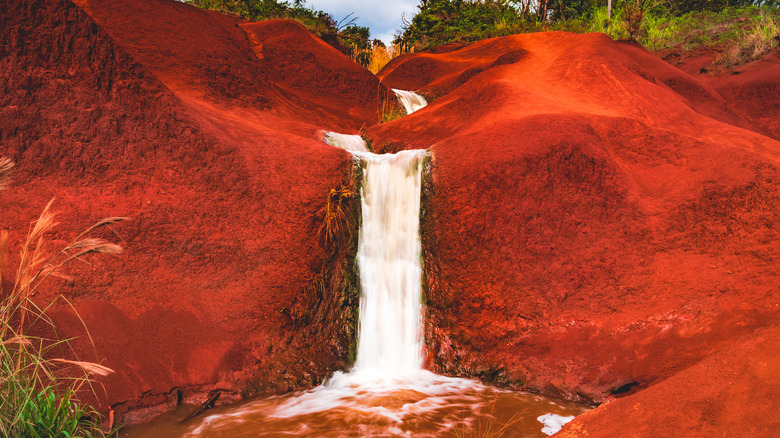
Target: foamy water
pixel 389 340
pixel 553 423
pixel 410 100
pixel 433 406
pixel 351 143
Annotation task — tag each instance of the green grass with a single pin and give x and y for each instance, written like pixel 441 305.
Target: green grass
pixel 742 35
pixel 614 27
pixel 39 389
pixel 751 42
pixel 704 29
pixel 390 109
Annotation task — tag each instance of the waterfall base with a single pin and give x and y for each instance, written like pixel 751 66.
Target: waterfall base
pixel 365 404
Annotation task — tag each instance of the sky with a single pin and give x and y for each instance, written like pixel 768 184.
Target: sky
pixel 383 17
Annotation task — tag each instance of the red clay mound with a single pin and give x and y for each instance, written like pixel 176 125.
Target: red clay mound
pixel 750 90
pixel 312 70
pixel 734 392
pixel 754 92
pixel 190 50
pixel 229 69
pixel 436 75
pixel 596 221
pixel 146 121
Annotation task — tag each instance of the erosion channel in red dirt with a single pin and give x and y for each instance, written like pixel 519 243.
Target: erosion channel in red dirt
pixel 595 225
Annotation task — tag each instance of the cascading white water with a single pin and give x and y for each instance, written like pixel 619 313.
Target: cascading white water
pixel 410 100
pixel 389 355
pixel 389 261
pixel 351 143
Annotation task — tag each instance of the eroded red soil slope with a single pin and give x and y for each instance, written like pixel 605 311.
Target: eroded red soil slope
pixel 164 113
pixel 754 91
pixel 598 220
pixel 734 392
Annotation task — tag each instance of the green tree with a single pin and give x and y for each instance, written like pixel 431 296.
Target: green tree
pixel 446 21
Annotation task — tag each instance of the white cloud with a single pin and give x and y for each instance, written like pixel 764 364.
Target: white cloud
pixel 383 17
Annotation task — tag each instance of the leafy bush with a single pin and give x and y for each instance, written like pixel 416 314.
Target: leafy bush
pixel 458 21
pixel 613 26
pixel 380 55
pixel 657 25
pixel 752 42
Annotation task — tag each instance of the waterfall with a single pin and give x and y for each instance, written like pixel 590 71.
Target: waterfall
pixel 351 143
pixel 389 356
pixel 389 261
pixel 410 100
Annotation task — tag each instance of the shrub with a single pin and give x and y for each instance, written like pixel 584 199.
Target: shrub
pixel 751 44
pixel 454 21
pixel 614 27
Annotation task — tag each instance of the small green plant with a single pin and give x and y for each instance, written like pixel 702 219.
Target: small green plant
pixel 38 392
pixel 390 109
pixel 337 218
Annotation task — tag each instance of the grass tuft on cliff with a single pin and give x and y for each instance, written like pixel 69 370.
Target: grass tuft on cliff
pixel 337 220
pixel 39 391
pixel 5 171
pixel 390 109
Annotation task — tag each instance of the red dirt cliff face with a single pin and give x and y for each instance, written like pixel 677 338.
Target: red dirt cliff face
pixel 170 118
pixel 597 220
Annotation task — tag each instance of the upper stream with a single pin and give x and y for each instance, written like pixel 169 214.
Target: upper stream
pixel 410 100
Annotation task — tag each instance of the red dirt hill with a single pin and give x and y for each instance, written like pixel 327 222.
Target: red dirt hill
pixel 163 112
pixel 730 393
pixel 598 220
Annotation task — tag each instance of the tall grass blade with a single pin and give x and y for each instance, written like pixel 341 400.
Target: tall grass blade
pixel 38 397
pixel 5 172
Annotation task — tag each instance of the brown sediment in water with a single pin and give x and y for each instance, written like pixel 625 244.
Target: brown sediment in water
pixel 466 413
